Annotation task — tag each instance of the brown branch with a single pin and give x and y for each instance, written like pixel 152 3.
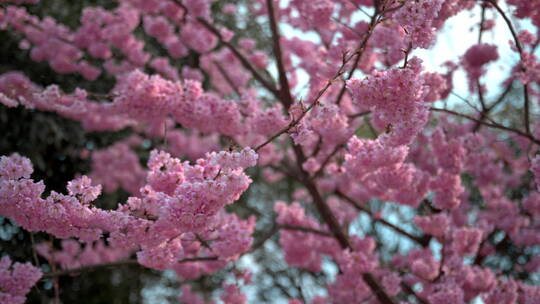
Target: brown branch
pixel 481 97
pixel 526 101
pixel 364 113
pixel 493 105
pixel 284 89
pixel 423 241
pixel 501 98
pixel 358 55
pixel 407 52
pixel 526 105
pixel 227 77
pixel 327 160
pixel 508 23
pixel 198 259
pixel 265 238
pixel 329 218
pixel 295 121
pixel 409 290
pixel 441 263
pixel 379 292
pixel 375 20
pixel 265 83
pixel 245 62
pixel 491 125
pixel 34 254
pixel 482 20
pixel 346 59
pixel 479 258
pixel 306 229
pixel 312 104
pixel 327 215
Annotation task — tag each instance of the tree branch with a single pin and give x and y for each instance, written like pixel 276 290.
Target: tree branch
pixel 358 55
pixel 492 106
pixel 284 89
pixel 491 125
pixel 526 101
pixel 265 83
pixel 306 229
pixel 422 241
pixel 335 228
pixel 227 77
pixel 245 62
pixel 315 101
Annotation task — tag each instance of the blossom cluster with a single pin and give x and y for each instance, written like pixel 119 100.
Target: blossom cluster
pixel 16 279
pixel 180 209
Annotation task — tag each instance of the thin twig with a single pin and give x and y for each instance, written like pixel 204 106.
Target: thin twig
pixel 482 20
pixel 327 160
pixel 265 238
pixel 358 55
pixel 423 241
pixel 227 77
pixel 526 101
pixel 315 101
pixel 334 226
pixel 306 229
pixel 500 99
pixel 34 254
pixel 491 125
pixel 245 62
pixel 409 290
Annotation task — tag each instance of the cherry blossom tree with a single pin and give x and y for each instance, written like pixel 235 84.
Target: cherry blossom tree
pixel 336 151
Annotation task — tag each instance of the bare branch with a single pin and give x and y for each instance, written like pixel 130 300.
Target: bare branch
pixel 491 125
pixel 284 89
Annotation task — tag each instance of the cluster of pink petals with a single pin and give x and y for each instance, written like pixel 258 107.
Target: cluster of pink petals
pixel 475 59
pixel 188 296
pixel 179 212
pixel 302 249
pixel 52 42
pixel 395 97
pixel 16 279
pixel 417 18
pixel 145 101
pixel 117 166
pixel 104 32
pixel 61 215
pixel 233 295
pixel 313 14
pixel 383 172
pixel 17 90
pixel 527 9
